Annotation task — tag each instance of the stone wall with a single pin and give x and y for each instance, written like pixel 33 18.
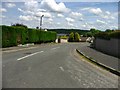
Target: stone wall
pixel 110 47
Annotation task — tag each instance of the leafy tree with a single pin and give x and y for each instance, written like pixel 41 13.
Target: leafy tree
pixel 94 31
pixel 108 30
pixel 76 37
pixel 71 37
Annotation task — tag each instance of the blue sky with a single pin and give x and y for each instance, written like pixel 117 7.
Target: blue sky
pixel 58 14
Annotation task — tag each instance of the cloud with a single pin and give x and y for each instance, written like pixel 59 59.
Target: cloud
pixel 1 16
pixel 26 18
pixel 77 15
pixel 107 12
pixel 101 22
pixel 46 14
pixel 3 10
pixel 96 11
pixel 70 24
pixel 31 5
pixel 69 19
pixel 100 13
pixel 10 5
pixel 60 15
pixel 51 5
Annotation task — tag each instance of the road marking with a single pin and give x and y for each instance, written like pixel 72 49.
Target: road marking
pixel 62 69
pixel 29 55
pixel 55 48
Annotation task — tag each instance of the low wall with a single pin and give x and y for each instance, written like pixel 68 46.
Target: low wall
pixel 108 46
pixel 62 41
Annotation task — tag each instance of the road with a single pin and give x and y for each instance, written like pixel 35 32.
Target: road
pixel 53 66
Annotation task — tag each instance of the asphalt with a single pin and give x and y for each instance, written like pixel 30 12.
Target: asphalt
pixel 52 66
pixel 100 57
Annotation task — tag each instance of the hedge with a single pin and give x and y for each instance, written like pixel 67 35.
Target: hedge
pixel 14 35
pixel 108 35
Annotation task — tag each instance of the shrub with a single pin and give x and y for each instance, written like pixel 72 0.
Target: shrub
pixel 14 35
pixel 74 37
pixel 108 35
pixel 71 37
pixel 77 37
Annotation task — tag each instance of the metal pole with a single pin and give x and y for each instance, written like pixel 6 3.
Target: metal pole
pixel 41 22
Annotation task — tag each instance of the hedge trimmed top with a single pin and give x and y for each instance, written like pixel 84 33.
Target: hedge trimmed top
pixel 109 35
pixel 14 35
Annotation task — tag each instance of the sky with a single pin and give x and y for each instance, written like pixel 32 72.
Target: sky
pixel 59 14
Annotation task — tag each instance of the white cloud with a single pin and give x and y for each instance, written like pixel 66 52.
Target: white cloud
pixel 69 19
pixel 100 13
pixel 1 16
pixel 26 18
pixel 96 11
pixel 60 15
pixel 84 9
pixel 46 14
pixel 101 22
pixel 70 24
pixel 51 5
pixel 26 11
pixel 3 10
pixel 107 12
pixel 10 5
pixel 50 19
pixel 31 5
pixel 58 23
pixel 107 16
pixel 76 14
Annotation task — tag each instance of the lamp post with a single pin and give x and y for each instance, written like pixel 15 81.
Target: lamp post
pixel 41 21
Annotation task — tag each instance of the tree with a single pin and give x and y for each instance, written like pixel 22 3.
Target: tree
pixel 94 31
pixel 76 37
pixel 18 24
pixel 71 37
pixel 108 30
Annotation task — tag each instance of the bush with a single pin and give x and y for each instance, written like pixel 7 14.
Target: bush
pixel 108 35
pixel 77 37
pixel 71 37
pixel 14 35
pixel 74 37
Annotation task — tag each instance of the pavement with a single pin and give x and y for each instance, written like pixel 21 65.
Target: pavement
pixel 52 66
pixel 104 59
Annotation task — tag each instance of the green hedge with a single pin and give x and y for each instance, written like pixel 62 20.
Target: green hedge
pixel 14 35
pixel 108 35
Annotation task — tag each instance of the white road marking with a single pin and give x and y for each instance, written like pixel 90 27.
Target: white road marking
pixel 55 48
pixel 29 55
pixel 62 68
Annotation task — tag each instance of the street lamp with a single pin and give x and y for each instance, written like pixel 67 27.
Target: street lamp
pixel 41 21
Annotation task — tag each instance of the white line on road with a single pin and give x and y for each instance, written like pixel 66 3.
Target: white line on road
pixel 62 68
pixel 55 48
pixel 29 55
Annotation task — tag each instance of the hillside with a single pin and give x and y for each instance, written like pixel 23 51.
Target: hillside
pixel 68 31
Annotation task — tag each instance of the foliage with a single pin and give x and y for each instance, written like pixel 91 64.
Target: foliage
pixel 108 35
pixel 12 36
pixel 64 37
pixel 18 24
pixel 71 37
pixel 74 37
pixel 77 37
pixel 68 31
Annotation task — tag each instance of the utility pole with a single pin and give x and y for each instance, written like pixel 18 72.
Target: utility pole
pixel 41 22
